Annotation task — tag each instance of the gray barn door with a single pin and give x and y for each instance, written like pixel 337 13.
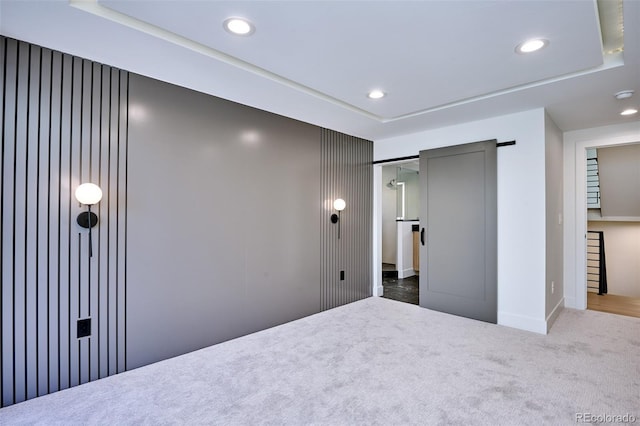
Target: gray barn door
pixel 458 219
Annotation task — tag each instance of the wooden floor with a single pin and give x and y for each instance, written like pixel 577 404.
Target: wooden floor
pixel 613 304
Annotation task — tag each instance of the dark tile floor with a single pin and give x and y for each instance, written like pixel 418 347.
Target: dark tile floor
pixel 403 290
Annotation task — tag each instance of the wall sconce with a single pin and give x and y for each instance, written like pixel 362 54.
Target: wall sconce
pixel 339 204
pixel 88 194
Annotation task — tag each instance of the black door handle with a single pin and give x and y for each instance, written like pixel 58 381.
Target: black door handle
pixel 422 236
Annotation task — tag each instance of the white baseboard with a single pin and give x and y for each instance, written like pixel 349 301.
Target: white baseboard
pixel 378 291
pixel 523 323
pixel 406 273
pixel 570 302
pixel 551 318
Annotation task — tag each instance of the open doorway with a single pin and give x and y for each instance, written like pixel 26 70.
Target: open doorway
pixel 400 254
pixel 613 229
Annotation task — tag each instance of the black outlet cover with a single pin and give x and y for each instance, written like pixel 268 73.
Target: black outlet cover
pixel 84 327
pixel 341 275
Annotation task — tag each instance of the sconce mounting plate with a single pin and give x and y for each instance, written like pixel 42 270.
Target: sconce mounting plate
pixel 87 219
pixel 334 218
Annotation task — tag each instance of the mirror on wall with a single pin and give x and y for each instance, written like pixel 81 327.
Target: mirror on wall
pixel 407 192
pixel 400 202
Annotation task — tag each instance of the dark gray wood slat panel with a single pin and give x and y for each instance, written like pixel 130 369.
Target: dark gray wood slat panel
pixel 322 226
pixel 65 221
pixel 121 224
pixel 346 174
pixel 46 152
pixel 31 221
pixel 110 221
pixel 102 242
pixel 42 259
pixel 351 256
pixel 337 180
pixel 342 158
pixel 20 226
pixel 325 224
pixel 3 83
pixel 8 233
pixel 54 210
pixel 86 262
pixel 94 176
pixel 77 236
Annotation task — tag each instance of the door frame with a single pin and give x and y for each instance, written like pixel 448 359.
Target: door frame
pixel 377 183
pixel 376 263
pixel 575 202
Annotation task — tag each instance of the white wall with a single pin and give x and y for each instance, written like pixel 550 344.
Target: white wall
pixel 553 184
pixel 575 204
pixel 521 205
pixel 405 248
pixel 622 250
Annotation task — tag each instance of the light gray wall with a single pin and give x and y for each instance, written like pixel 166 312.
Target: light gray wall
pixel 223 210
pixel 64 123
pixel 554 216
pixel 619 169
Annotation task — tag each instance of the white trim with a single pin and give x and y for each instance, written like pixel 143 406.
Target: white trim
pixel 405 273
pixel 553 316
pixel 377 289
pixel 570 302
pixel 522 322
pixel 616 219
pixel 399 247
pixel 404 252
pixel 400 185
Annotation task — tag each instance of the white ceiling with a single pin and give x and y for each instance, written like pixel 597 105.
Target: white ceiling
pixel 441 62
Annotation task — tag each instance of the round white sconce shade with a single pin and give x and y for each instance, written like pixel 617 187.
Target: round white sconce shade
pixel 339 204
pixel 88 194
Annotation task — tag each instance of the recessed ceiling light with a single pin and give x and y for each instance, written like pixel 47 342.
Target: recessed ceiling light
pixel 624 94
pixel 239 26
pixel 531 45
pixel 376 94
pixel 629 111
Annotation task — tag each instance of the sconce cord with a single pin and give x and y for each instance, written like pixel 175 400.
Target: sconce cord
pixel 90 241
pixel 339 223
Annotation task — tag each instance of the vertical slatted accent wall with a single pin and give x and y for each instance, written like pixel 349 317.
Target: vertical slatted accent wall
pixel 64 122
pixel 347 173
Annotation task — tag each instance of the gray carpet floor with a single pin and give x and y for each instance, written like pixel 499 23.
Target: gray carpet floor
pixel 374 362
